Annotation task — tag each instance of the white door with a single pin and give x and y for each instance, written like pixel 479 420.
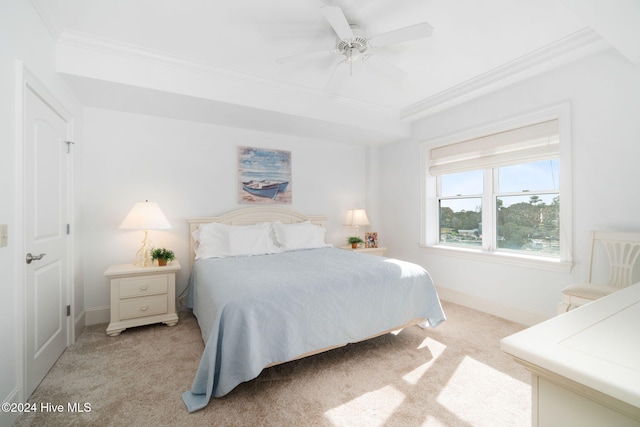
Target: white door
pixel 45 210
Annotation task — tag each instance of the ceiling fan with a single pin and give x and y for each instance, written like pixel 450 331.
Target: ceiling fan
pixel 353 45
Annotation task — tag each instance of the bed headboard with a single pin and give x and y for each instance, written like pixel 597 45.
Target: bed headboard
pixel 248 216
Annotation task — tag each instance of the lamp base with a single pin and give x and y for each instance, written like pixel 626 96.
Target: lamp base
pixel 143 256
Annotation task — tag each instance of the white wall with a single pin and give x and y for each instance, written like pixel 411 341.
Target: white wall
pixel 604 92
pixel 24 38
pixel 190 169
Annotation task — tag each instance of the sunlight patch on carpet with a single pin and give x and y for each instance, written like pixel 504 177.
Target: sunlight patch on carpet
pixel 370 409
pixel 436 349
pixel 485 395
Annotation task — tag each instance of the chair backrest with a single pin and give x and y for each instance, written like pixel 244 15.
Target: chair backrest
pixel 623 250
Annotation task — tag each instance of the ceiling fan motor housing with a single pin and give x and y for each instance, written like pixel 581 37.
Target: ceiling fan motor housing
pixel 354 47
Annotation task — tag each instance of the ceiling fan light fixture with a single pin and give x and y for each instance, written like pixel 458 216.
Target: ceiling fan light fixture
pixel 352 54
pixel 352 48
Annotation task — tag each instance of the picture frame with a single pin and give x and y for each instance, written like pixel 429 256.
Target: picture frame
pixel 264 176
pixel 371 239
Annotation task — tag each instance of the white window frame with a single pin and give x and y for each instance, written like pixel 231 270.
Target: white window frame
pixel 429 240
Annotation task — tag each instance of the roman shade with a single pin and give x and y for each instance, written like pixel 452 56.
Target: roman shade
pixel 530 143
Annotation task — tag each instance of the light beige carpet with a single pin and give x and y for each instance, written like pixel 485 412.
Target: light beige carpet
pixel 454 375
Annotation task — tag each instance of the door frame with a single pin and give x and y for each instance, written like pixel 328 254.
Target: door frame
pixel 25 80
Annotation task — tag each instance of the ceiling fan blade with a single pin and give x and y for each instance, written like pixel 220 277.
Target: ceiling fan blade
pixel 336 80
pixel 303 56
pixel 413 32
pixel 386 67
pixel 337 20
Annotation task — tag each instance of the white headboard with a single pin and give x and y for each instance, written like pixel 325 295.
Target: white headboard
pixel 248 216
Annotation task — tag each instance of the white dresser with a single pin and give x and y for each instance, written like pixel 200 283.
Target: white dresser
pixel 585 364
pixel 142 296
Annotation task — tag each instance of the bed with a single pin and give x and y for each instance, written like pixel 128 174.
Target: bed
pixel 261 301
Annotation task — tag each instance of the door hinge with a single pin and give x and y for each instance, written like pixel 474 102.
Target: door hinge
pixel 68 310
pixel 68 228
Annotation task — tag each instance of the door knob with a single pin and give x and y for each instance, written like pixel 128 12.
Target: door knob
pixel 34 257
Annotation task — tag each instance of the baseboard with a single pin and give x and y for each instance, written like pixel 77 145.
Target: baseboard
pixel 512 314
pixel 97 315
pixel 7 418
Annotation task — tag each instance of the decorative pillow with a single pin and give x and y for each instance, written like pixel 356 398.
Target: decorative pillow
pixel 303 235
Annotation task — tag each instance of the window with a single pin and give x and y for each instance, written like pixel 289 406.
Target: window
pixel 528 207
pixel 500 193
pixel 460 208
pixel 526 213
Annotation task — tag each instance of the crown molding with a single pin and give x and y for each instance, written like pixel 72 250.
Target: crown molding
pixel 138 53
pixel 43 8
pixel 570 48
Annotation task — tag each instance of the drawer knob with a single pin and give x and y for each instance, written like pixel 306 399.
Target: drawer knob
pixel 143 287
pixel 143 308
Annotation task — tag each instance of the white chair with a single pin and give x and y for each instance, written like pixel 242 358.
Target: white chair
pixel 622 250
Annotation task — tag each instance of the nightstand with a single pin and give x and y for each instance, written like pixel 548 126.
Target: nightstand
pixel 142 296
pixel 380 251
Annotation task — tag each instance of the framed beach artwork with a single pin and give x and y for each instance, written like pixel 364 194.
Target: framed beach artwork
pixel 264 175
pixel 371 239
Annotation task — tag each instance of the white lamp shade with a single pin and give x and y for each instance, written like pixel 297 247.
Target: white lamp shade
pixel 356 217
pixel 145 216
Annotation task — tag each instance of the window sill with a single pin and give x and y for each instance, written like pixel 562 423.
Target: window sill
pixel 516 260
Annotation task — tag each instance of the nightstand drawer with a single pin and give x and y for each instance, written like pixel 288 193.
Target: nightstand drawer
pixel 143 285
pixel 141 307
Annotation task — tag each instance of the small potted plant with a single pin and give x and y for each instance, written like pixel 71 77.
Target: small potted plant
pixel 162 255
pixel 354 241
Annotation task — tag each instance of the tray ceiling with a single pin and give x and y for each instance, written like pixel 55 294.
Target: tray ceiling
pixel 474 46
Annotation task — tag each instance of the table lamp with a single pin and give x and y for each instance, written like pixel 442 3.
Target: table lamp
pixel 145 216
pixel 356 218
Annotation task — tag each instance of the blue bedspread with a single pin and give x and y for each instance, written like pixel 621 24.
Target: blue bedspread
pixel 259 310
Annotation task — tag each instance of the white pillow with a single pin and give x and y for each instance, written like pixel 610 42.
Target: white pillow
pixel 303 235
pixel 212 241
pixel 251 239
pixel 216 240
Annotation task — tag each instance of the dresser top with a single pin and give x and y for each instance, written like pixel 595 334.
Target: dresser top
pixel 596 345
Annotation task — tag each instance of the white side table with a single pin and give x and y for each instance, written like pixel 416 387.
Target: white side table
pixel 142 296
pixel 380 251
